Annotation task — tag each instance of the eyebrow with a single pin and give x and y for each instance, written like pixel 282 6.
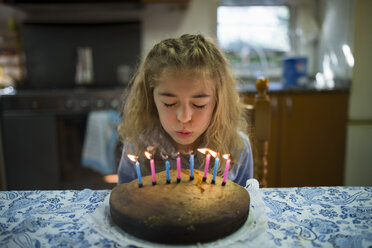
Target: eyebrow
pixel 173 95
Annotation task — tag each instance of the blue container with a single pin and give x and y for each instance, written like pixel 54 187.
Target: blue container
pixel 294 71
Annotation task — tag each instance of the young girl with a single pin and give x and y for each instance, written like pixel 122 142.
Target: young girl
pixel 183 97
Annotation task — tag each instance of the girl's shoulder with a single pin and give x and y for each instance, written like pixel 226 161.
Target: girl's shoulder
pixel 245 139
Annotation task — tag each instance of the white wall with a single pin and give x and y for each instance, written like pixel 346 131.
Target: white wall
pixel 358 170
pixel 161 21
pixel 336 17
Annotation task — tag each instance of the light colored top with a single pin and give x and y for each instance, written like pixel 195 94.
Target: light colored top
pixel 239 174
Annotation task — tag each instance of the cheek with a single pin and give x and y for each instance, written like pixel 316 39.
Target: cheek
pixel 203 119
pixel 160 109
pixel 166 116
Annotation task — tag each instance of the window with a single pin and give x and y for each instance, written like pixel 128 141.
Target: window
pixel 255 39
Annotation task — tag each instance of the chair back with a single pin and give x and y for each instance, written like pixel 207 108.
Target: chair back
pixel 258 117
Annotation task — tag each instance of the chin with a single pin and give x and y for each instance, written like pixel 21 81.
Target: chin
pixel 185 142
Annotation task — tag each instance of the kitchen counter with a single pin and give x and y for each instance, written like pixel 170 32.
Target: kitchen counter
pixel 278 87
pixel 10 91
pixel 61 101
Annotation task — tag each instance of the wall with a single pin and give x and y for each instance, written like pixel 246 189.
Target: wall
pixel 159 20
pixel 336 18
pixel 162 21
pixel 358 169
pixel 348 22
pixel 305 31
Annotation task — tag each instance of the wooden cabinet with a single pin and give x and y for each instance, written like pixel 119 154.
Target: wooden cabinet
pixel 307 140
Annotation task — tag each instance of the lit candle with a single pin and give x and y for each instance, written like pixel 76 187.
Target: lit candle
pixel 178 168
pixel 167 166
pixel 207 159
pixel 227 157
pixel 134 159
pixel 152 165
pixel 216 161
pixel 192 166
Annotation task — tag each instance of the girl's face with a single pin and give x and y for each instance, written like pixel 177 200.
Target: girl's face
pixel 185 108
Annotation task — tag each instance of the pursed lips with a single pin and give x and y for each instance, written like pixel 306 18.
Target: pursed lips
pixel 184 133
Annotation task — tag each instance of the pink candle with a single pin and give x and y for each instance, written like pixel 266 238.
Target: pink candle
pixel 152 165
pixel 178 168
pixel 227 166
pixel 207 159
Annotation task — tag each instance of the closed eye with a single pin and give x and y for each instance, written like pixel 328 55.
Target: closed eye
pixel 199 106
pixel 169 105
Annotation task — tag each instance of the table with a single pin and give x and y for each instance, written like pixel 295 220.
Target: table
pixel 297 217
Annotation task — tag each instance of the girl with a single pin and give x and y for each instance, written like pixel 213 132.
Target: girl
pixel 183 97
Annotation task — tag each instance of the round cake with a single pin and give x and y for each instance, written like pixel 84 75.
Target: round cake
pixel 187 212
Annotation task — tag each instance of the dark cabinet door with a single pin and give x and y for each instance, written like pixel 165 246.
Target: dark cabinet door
pixel 30 151
pixel 307 139
pixel 312 139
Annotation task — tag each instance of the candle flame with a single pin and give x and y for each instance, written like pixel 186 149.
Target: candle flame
pixel 213 153
pixel 166 156
pixel 203 150
pixel 148 155
pixel 226 156
pixel 132 157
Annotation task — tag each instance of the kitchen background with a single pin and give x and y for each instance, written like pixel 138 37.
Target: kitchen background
pixel 66 65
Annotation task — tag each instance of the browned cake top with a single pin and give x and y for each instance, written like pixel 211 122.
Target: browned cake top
pixel 188 204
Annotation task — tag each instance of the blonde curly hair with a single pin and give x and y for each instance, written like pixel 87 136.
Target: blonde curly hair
pixel 195 56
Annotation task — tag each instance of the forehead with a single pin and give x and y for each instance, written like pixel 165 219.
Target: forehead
pixel 180 84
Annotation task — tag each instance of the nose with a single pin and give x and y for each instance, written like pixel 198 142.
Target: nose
pixel 184 114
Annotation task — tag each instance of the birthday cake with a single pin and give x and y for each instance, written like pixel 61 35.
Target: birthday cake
pixel 187 212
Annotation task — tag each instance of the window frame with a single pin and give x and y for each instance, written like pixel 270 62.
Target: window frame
pixel 291 27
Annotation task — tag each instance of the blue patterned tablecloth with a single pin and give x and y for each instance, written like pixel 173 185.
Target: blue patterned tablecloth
pixel 297 217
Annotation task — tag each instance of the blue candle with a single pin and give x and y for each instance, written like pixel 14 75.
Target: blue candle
pixel 216 161
pixel 138 174
pixel 167 166
pixel 138 169
pixel 191 166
